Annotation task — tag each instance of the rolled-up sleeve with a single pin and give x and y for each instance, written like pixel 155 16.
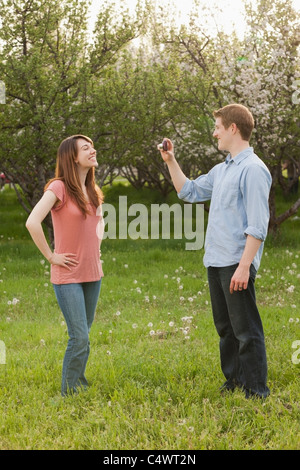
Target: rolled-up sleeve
pixel 256 188
pixel 197 190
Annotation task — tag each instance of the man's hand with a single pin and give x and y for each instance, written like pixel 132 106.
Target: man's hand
pixel 168 155
pixel 239 280
pixel 177 175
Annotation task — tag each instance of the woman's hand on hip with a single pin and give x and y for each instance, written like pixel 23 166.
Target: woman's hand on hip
pixel 66 260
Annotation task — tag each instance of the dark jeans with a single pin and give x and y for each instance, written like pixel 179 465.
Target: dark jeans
pixel 78 304
pixel 238 323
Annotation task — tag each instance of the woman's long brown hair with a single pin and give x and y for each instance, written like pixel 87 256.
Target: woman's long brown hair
pixel 66 171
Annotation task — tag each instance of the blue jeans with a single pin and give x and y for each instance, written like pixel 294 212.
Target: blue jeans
pixel 78 304
pixel 238 323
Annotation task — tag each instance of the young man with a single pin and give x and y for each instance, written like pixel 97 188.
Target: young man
pixel 237 226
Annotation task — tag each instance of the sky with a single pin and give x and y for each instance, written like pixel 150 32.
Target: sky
pixel 230 18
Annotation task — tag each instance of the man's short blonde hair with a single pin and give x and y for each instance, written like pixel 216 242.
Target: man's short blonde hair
pixel 239 115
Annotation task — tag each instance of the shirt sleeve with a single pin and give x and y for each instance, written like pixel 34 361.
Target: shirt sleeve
pixel 58 188
pixel 255 188
pixel 197 190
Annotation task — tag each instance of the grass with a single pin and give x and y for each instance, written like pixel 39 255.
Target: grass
pixel 154 366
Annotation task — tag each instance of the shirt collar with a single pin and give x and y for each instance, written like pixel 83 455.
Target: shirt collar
pixel 239 157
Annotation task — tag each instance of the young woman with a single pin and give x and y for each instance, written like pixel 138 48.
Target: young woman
pixel 74 201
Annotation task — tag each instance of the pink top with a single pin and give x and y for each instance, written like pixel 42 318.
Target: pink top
pixel 73 233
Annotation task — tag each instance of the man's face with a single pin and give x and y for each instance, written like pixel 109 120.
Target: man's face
pixel 223 135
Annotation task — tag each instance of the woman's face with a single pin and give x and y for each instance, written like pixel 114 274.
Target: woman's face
pixel 86 154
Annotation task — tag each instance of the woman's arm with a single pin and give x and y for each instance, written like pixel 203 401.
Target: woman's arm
pixel 34 226
pixel 35 219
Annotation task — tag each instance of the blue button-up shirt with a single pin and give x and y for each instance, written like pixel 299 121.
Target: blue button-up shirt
pixel 239 191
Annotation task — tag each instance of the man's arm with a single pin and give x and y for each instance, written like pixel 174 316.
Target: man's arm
pixel 177 175
pixel 255 185
pixel 240 278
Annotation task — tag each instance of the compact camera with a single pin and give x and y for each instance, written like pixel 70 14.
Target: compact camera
pixel 163 145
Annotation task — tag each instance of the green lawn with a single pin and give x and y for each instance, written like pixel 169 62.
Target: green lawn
pixel 154 366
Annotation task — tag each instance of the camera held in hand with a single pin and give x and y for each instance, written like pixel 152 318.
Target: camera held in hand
pixel 164 145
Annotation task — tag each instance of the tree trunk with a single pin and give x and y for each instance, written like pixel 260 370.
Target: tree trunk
pixel 275 221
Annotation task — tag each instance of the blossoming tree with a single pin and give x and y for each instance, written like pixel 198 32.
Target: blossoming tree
pixel 261 71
